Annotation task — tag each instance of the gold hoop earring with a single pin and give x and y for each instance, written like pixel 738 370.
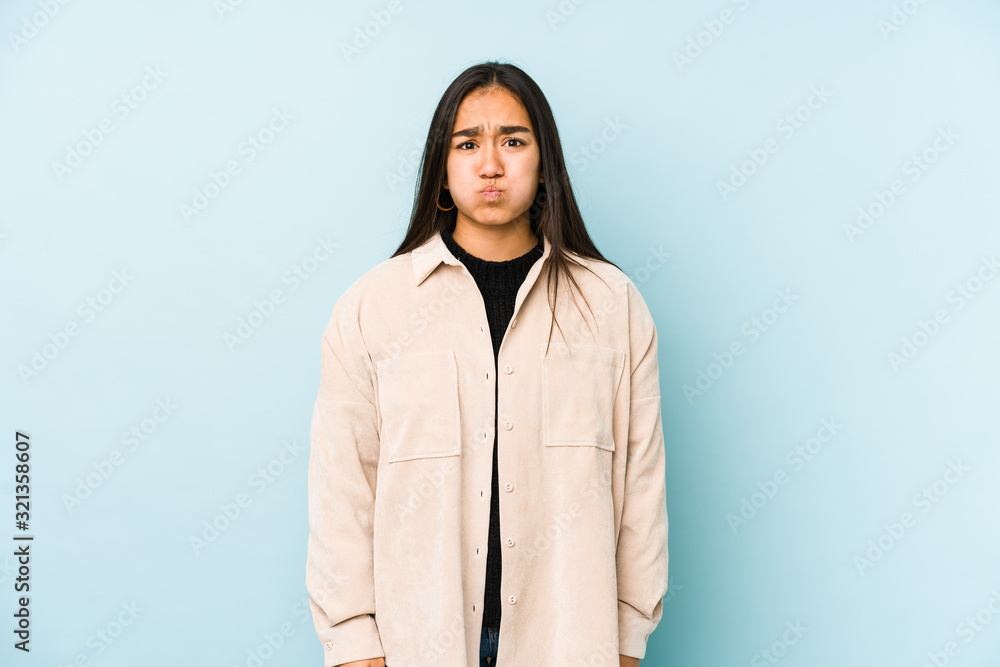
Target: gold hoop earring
pixel 442 208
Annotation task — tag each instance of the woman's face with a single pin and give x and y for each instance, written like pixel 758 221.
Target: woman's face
pixel 493 160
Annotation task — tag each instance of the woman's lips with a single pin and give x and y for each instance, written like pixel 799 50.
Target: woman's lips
pixel 490 194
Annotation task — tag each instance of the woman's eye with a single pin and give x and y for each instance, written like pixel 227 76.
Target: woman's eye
pixel 470 143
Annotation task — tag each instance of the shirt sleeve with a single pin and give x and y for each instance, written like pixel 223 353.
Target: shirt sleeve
pixel 343 458
pixel 641 556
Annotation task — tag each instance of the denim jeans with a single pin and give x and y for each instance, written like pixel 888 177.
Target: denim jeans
pixel 488 647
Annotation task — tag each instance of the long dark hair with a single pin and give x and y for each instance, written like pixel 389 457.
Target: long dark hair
pixel 553 214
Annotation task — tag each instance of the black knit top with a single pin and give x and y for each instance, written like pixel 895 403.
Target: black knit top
pixel 498 282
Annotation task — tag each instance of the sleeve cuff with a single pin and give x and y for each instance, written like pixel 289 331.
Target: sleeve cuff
pixel 634 629
pixel 354 639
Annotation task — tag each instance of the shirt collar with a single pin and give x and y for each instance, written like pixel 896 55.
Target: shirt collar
pixel 428 256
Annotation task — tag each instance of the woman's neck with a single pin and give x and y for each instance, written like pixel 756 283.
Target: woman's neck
pixel 495 243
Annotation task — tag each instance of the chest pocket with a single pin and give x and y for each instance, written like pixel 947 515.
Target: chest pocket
pixel 578 392
pixel 418 402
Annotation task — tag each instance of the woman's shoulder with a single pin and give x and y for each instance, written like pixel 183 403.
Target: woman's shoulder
pixel 386 272
pixel 380 282
pixel 598 275
pixel 607 281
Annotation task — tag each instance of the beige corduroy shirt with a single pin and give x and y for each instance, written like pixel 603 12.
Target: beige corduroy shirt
pixel 400 470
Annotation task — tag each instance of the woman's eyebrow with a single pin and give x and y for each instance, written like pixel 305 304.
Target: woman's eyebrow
pixel 502 129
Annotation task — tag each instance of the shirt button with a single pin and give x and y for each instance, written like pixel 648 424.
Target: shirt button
pixel 329 646
pixel 509 487
pixel 507 425
pixel 508 369
pixel 512 599
pixel 510 541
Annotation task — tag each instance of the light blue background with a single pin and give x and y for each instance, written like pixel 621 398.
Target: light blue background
pixel 328 174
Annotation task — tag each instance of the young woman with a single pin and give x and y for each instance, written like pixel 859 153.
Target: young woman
pixel 482 447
